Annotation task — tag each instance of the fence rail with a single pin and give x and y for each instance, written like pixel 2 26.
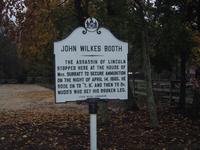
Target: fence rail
pixel 169 90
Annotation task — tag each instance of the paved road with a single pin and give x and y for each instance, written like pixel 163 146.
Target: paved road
pixel 14 97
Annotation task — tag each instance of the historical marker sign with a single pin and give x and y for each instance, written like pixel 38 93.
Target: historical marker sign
pixel 90 63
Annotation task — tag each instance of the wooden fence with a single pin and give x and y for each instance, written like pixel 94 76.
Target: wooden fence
pixel 166 90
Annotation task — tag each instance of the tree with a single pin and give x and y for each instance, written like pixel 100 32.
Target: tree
pixel 43 23
pixel 176 39
pixel 142 11
pixel 9 63
pixel 195 79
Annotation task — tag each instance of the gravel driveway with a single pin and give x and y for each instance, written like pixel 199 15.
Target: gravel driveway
pixel 14 97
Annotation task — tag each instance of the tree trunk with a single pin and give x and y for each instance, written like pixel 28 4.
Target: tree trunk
pixel 181 105
pixel 150 97
pixel 196 94
pixel 80 12
pixel 103 112
pixel 130 104
pixel 147 69
pixel 196 103
pixel 198 17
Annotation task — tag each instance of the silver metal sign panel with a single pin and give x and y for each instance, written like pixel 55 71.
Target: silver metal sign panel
pixel 90 63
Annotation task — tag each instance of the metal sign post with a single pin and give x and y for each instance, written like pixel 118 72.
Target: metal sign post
pixel 93 122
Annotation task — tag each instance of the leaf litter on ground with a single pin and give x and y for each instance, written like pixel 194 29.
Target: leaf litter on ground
pixel 65 130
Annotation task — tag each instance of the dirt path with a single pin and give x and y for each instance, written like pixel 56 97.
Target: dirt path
pixel 14 97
